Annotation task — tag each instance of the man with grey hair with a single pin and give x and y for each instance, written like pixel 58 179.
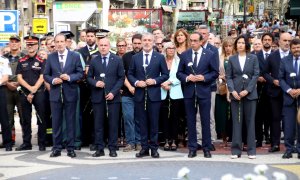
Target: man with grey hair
pixel 204 31
pixel 148 69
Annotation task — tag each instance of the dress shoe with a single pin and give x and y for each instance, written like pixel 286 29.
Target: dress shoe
pixel 207 154
pixel 55 153
pixel 258 144
pixel 42 148
pixel 252 156
pixel 8 148
pixel 298 155
pixel 287 155
pixel 199 147
pixel 154 154
pixel 99 153
pixel 113 153
pixel 93 147
pixel 268 141
pixel 212 147
pixel 77 148
pixel 71 153
pixel 24 147
pixel 274 149
pixel 235 156
pixel 142 153
pixel 192 154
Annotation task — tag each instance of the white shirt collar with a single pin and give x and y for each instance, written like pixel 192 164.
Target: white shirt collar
pixel 199 50
pixel 65 53
pixel 282 52
pixel 93 46
pixel 264 52
pixel 150 53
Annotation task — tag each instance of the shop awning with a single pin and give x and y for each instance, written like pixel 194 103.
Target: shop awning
pixel 73 11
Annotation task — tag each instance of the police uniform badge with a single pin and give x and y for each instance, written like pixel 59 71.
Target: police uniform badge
pixel 36 64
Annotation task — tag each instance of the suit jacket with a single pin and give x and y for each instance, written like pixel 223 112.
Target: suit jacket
pixel 286 81
pixel 86 54
pixel 157 70
pixel 73 68
pixel 207 66
pixel 272 73
pixel 216 53
pixel 234 75
pixel 175 91
pixel 114 78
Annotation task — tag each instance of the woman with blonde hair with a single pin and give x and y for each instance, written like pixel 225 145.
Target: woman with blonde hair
pixel 171 94
pixel 223 122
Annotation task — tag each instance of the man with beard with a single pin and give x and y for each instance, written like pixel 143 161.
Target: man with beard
pixel 132 128
pixel 12 96
pixel 289 83
pixel 274 91
pixel 263 111
pixel 87 53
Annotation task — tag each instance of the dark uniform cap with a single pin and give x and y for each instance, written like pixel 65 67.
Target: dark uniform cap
pixel 68 34
pixel 102 33
pixel 16 37
pixel 50 34
pixel 31 40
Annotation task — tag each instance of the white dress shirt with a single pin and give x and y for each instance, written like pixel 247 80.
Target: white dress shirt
pixel 242 60
pixel 283 54
pixel 266 52
pixel 149 56
pixel 198 55
pixel 64 58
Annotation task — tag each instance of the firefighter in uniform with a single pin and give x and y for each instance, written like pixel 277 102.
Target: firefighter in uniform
pixel 12 96
pixel 30 77
pixel 5 71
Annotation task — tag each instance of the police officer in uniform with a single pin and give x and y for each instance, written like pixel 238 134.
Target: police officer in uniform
pixel 5 71
pixel 12 96
pixel 30 76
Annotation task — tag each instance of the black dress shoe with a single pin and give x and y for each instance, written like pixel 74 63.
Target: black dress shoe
pixel 113 153
pixel 274 149
pixel 8 148
pixel 24 147
pixel 287 155
pixel 55 153
pixel 298 155
pixel 78 148
pixel 71 154
pixel 268 141
pixel 154 154
pixel 212 147
pixel 207 154
pixel 93 147
pixel 192 154
pixel 142 153
pixel 258 144
pixel 99 153
pixel 42 148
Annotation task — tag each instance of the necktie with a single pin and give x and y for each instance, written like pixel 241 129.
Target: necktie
pixel 61 61
pixel 266 56
pixel 146 61
pixel 104 63
pixel 296 66
pixel 195 59
pixel 90 48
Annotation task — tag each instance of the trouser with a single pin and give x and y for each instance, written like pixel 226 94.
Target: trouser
pixel 5 128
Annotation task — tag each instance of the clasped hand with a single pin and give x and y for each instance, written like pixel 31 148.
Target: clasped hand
pixel 195 78
pixel 239 96
pixel 143 84
pixel 294 93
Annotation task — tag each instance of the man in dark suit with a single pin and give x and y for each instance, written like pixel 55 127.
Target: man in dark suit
pixel 63 70
pixel 197 70
pixel 204 31
pixel 289 80
pixel 263 111
pixel 274 91
pixel 106 77
pixel 148 69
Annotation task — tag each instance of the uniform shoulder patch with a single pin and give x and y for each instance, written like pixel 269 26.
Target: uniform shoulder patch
pixel 39 59
pixel 23 58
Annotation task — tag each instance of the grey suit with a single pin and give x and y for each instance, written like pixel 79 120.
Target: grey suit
pixel 245 108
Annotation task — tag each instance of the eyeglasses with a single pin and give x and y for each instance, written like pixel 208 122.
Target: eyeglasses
pixel 124 45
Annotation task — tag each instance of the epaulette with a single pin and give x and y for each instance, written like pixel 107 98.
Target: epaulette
pixel 24 58
pixel 39 58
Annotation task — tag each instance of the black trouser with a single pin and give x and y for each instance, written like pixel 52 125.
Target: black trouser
pixel 170 116
pixel 5 127
pixel 13 99
pixel 39 104
pixel 276 108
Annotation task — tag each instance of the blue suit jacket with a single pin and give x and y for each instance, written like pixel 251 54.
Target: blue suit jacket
pixel 114 78
pixel 216 53
pixel 286 82
pixel 157 70
pixel 207 66
pixel 175 91
pixel 73 68
pixel 234 75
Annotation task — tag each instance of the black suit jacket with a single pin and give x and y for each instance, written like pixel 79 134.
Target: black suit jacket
pixel 114 78
pixel 86 55
pixel 271 73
